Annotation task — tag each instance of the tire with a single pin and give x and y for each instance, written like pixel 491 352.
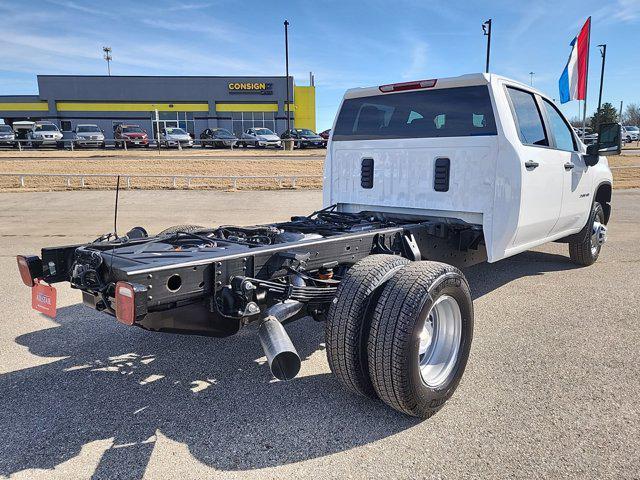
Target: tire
pixel 181 228
pixel 420 292
pixel 586 249
pixel 349 318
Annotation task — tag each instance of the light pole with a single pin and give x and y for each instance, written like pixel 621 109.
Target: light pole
pixel 603 54
pixel 286 60
pixel 486 29
pixel 531 74
pixel 108 58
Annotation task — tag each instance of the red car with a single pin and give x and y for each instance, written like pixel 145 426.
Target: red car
pixel 325 134
pixel 131 135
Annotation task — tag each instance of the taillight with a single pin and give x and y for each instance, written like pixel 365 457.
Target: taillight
pixel 131 302
pixel 30 267
pixel 398 87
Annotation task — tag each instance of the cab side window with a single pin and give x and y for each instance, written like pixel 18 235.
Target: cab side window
pixel 528 118
pixel 561 131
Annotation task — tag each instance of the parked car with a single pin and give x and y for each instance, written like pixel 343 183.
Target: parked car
pixel 22 128
pixel 130 136
pixel 43 134
pixel 325 134
pixel 630 133
pixel 304 138
pixel 7 136
pixel 88 135
pixel 174 136
pixel 218 137
pixel 260 137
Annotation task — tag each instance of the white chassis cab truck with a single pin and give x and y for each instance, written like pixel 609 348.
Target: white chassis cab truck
pixel 420 178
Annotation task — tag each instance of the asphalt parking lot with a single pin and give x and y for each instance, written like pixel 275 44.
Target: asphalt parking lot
pixel 551 390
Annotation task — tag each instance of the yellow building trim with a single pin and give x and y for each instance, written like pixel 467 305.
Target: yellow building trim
pixel 246 107
pixel 305 107
pixel 24 106
pixel 131 107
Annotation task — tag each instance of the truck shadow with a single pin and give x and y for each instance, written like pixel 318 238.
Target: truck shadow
pixel 487 277
pixel 213 395
pixel 209 394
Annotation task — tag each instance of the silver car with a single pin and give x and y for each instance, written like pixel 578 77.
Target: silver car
pixel 88 135
pixel 173 136
pixel 44 133
pixel 630 133
pixel 260 137
pixel 7 135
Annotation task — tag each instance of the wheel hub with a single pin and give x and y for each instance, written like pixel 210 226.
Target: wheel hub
pixel 440 342
pixel 598 236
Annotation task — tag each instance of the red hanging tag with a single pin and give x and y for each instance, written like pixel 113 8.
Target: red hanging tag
pixel 43 299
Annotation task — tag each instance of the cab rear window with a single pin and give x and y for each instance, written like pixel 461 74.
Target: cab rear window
pixel 449 112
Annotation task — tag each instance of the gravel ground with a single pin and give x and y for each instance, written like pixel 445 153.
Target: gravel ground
pixel 551 389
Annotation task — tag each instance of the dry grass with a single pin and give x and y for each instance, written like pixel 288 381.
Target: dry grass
pixel 210 162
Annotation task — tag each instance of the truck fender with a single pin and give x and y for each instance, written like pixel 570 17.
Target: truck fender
pixel 603 197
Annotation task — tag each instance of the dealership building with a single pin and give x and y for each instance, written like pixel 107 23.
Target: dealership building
pixel 192 103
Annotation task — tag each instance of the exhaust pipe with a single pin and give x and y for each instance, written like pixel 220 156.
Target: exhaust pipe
pixel 282 356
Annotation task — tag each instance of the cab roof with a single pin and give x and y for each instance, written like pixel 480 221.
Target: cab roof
pixel 467 80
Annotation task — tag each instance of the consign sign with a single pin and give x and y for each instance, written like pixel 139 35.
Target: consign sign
pixel 261 88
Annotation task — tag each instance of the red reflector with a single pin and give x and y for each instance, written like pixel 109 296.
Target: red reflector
pixel 398 87
pixel 25 272
pixel 125 303
pixel 43 299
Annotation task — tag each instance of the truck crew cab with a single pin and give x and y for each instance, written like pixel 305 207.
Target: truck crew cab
pixel 420 178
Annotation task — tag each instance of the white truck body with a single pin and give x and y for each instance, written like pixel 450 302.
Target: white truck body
pixel 489 184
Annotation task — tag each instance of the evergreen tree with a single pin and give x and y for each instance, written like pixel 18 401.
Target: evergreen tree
pixel 607 114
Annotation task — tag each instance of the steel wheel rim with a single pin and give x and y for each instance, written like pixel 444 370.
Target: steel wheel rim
pixel 440 342
pixel 596 241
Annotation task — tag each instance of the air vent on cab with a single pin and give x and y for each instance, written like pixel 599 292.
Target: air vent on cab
pixel 441 175
pixel 366 173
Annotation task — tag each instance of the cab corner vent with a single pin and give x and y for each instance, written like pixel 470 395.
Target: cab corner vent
pixel 366 173
pixel 441 175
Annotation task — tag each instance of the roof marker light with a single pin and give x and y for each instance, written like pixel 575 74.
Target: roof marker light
pixel 398 87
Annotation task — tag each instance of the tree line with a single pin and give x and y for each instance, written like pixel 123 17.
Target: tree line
pixel 610 114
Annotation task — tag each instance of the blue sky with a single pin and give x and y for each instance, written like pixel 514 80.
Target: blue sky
pixel 346 44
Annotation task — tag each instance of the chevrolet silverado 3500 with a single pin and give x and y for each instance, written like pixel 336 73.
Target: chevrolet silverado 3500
pixel 420 178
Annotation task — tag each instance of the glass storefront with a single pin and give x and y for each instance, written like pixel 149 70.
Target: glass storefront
pixel 183 120
pixel 242 121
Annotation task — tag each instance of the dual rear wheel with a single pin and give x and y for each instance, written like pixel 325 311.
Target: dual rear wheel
pixel 401 332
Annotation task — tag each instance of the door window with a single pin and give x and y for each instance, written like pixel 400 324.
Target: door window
pixel 528 118
pixel 561 131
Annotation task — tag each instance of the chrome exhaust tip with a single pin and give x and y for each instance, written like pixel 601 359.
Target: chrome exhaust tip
pixel 282 356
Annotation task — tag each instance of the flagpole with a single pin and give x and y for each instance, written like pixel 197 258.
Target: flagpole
pixel 586 83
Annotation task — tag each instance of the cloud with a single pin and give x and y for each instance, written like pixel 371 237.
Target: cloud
pixel 189 6
pixel 213 30
pixel 82 7
pixel 417 61
pixel 621 11
pixel 82 55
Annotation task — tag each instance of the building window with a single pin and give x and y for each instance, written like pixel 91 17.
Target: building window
pixel 243 121
pixel 182 120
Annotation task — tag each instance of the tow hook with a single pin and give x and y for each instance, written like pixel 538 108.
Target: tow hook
pixel 599 233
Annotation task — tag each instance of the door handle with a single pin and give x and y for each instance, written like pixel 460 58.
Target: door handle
pixel 531 164
pixel 569 166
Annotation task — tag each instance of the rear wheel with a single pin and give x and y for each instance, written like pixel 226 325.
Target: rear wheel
pixel 349 319
pixel 420 337
pixel 586 250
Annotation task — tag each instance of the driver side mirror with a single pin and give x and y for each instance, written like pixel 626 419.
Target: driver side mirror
pixel 609 141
